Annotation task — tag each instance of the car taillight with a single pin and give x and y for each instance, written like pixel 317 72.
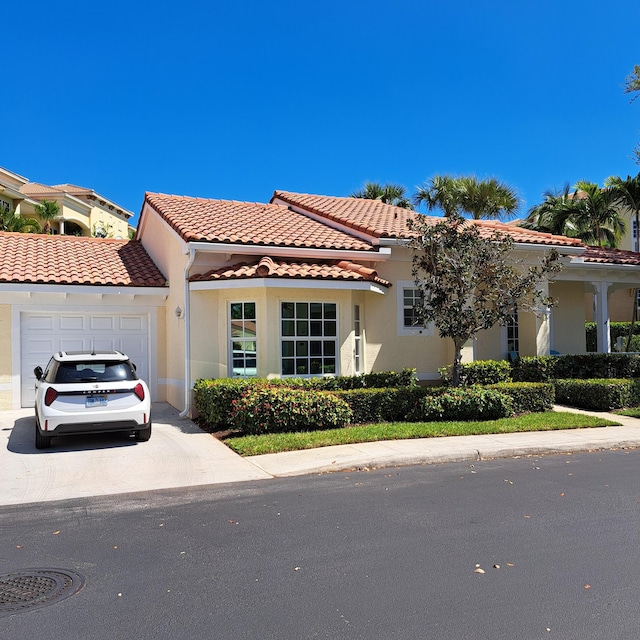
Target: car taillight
pixel 50 396
pixel 139 391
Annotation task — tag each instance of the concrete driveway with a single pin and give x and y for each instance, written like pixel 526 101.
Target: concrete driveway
pixel 179 454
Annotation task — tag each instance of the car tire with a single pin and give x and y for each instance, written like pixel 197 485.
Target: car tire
pixel 144 434
pixel 42 441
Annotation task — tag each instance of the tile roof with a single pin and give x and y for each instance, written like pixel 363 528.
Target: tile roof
pixel 611 256
pixel 231 222
pixel 32 258
pixel 267 267
pixel 380 220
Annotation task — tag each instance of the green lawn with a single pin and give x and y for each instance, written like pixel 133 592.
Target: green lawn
pixel 278 442
pixel 633 412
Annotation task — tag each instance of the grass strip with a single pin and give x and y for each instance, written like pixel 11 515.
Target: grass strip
pixel 279 442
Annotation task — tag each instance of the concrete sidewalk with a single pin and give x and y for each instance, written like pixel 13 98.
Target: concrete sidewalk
pixel 180 454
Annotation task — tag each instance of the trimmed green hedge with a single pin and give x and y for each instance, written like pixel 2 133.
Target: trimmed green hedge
pixel 479 372
pixel 466 403
pixel 528 397
pixel 385 405
pixel 278 409
pixel 598 394
pixel 616 330
pixel 592 365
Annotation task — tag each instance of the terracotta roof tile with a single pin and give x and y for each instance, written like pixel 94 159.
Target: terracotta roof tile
pixel 225 221
pixel 381 220
pixel 611 256
pixel 31 258
pixel 267 267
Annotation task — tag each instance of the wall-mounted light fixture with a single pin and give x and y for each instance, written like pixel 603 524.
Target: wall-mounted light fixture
pixel 179 312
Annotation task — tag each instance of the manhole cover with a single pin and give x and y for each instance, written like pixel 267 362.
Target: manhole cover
pixel 33 588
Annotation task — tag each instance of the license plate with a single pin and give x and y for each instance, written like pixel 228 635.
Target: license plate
pixel 96 401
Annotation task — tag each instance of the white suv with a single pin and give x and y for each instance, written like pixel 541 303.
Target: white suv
pixel 84 392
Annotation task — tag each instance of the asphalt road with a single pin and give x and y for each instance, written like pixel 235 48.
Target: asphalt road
pixel 390 553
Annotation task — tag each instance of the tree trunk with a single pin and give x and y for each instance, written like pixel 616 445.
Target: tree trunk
pixel 455 373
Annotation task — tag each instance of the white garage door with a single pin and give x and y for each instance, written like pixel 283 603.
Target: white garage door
pixel 43 334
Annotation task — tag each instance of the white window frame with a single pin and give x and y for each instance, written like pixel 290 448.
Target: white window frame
pixel 418 330
pixel 242 339
pixel 299 339
pixel 357 340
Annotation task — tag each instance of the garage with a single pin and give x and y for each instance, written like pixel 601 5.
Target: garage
pixel 42 334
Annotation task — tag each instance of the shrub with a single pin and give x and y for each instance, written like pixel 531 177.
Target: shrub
pixel 213 398
pixel 533 369
pixel 479 372
pixel 275 410
pixel 384 379
pixel 617 330
pixel 598 394
pixel 590 365
pixel 385 405
pixel 467 403
pixel 528 397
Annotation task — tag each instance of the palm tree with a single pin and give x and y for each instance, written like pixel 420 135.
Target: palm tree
pixel 482 199
pixel 394 194
pixel 628 192
pixel 597 215
pixel 440 192
pixel 10 221
pixel 48 210
pixel 589 213
pixel 553 215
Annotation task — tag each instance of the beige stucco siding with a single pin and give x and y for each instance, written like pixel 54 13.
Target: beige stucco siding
pixel 5 356
pixel 210 326
pixel 568 317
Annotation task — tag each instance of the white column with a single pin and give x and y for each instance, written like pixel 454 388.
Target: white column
pixel 543 326
pixel 602 316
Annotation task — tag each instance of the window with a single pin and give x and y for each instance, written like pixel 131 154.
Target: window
pixel 513 339
pixel 410 297
pixel 309 338
pixel 242 332
pixel 357 340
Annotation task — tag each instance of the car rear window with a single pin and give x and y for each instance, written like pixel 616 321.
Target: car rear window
pixel 95 371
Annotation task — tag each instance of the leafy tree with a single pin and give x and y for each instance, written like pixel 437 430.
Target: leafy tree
pixel 488 198
pixel 632 82
pixel 394 194
pixel 47 210
pixel 632 85
pixel 589 213
pixel 470 282
pixel 10 221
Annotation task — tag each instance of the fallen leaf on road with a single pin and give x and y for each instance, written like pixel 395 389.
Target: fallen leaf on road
pixel 479 570
pixel 55 533
pixel 587 586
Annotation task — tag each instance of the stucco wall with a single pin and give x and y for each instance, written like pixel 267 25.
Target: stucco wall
pixel 620 305
pixel 568 317
pixel 5 356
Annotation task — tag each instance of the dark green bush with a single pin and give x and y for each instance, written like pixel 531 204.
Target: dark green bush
pixel 528 397
pixel 213 398
pixel 278 409
pixel 533 368
pixel 384 379
pixel 467 403
pixel 385 405
pixel 590 365
pixel 616 330
pixel 479 372
pixel 598 394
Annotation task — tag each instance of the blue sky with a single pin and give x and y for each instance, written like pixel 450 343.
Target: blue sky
pixel 234 100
